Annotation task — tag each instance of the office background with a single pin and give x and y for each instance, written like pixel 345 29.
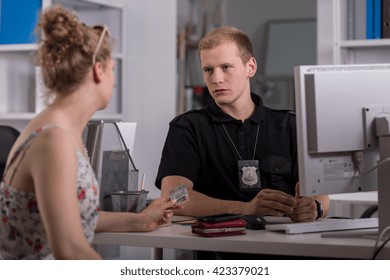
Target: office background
pixel 153 71
pixel 153 75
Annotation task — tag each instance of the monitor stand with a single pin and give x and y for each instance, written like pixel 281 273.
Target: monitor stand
pixel 382 131
pixel 382 126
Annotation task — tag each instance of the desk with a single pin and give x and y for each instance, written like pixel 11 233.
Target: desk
pixel 260 242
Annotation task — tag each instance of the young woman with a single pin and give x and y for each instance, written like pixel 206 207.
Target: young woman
pixel 49 194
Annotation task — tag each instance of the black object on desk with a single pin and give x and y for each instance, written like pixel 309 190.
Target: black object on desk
pixel 254 222
pixel 219 218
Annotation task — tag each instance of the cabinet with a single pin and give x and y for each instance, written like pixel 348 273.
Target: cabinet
pixel 333 22
pixel 20 85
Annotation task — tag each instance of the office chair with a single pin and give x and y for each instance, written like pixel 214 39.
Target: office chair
pixel 369 211
pixel 8 136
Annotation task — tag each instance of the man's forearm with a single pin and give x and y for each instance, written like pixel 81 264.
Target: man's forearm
pixel 202 205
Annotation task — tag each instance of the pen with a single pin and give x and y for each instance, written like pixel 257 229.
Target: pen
pixel 143 182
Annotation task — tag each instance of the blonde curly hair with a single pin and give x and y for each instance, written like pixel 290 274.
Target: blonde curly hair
pixel 66 48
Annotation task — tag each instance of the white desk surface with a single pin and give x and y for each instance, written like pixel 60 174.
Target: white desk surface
pixel 255 241
pixel 356 198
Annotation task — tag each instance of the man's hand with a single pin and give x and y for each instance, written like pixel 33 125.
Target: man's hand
pixel 305 210
pixel 270 202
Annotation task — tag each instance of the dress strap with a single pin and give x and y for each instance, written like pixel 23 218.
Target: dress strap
pixel 21 150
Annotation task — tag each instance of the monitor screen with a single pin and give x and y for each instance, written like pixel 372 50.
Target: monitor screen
pixel 336 109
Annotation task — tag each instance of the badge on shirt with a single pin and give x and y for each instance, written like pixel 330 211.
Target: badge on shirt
pixel 249 175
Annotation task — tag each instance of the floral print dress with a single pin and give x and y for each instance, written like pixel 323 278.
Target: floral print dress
pixel 22 235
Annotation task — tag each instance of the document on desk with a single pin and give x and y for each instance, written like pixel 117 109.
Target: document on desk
pixel 183 220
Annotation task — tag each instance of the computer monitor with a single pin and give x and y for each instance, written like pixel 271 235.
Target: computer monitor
pixel 343 115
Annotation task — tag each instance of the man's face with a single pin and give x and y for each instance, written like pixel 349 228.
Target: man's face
pixel 224 73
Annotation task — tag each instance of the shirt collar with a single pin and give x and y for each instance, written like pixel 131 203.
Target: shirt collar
pixel 217 115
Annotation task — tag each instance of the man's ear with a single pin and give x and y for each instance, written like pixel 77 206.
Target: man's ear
pixel 252 67
pixel 97 71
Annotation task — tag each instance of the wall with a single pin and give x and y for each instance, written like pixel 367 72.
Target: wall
pixel 152 78
pixel 151 87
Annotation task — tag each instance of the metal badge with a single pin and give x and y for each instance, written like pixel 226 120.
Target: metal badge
pixel 249 175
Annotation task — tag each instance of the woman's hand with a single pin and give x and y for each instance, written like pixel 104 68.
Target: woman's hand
pixel 158 213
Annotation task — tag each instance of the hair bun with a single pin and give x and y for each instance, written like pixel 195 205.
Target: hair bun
pixel 60 26
pixel 65 50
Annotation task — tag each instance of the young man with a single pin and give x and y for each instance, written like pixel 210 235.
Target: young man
pixel 235 156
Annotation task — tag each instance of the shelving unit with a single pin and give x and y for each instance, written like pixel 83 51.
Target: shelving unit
pixel 200 17
pixel 20 85
pixel 333 46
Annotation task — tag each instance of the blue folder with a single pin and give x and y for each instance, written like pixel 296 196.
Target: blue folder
pixel 377 19
pixel 370 19
pixel 18 19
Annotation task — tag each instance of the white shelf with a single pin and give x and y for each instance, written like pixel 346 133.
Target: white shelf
pixel 19 79
pixel 365 43
pixel 17 116
pixel 334 26
pixel 118 55
pixel 108 117
pixel 18 47
pixel 29 116
pixel 90 4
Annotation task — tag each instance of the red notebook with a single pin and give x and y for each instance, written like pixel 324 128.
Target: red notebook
pixel 227 228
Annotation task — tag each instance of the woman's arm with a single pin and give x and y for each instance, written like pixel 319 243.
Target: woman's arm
pixel 156 214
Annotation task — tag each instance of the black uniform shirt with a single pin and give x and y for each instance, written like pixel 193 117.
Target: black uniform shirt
pixel 198 148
